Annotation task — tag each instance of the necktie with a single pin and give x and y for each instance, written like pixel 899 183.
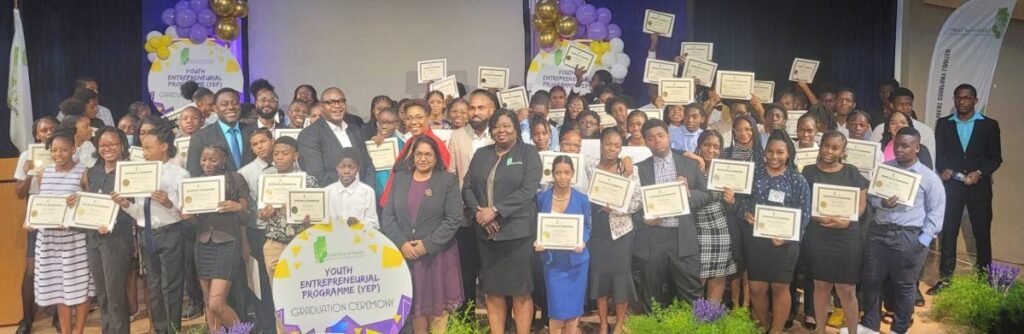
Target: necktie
pixel 236 153
pixel 148 233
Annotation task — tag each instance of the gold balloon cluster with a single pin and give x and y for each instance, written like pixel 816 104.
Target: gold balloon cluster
pixel 228 13
pixel 550 23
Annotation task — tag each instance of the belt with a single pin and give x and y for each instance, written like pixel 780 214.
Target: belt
pixel 894 227
pixel 166 228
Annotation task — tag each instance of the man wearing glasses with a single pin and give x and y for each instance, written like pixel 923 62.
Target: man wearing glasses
pixel 320 143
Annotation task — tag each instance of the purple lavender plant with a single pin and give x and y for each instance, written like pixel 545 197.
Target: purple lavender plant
pixel 1001 276
pixel 707 311
pixel 237 328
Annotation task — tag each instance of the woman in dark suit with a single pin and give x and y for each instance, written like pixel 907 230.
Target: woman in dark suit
pixel 499 189
pixel 422 219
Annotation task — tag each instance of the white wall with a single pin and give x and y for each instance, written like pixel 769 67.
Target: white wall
pixel 369 47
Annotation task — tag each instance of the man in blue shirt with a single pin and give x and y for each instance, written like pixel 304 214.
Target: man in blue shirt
pixel 897 244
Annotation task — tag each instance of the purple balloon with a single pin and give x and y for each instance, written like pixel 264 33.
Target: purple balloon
pixel 183 32
pixel 581 31
pixel 185 17
pixel 207 17
pixel 597 30
pixel 167 16
pixel 183 4
pixel 614 31
pixel 567 7
pixel 586 14
pixel 604 15
pixel 198 34
pixel 198 5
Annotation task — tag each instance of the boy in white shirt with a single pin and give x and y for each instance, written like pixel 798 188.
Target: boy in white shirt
pixel 348 198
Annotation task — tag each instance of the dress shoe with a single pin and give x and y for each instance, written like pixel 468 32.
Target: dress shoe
pixel 941 285
pixel 919 299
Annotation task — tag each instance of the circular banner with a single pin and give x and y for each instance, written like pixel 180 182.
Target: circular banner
pixel 208 64
pixel 336 278
pixel 546 69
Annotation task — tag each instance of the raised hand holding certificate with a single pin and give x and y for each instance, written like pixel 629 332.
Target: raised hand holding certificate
pixel 201 194
pixel 612 190
pixel 734 85
pixel 514 99
pixel 652 113
pixel 702 51
pixel 557 116
pixel 764 90
pixel 701 70
pixel 835 201
pixel 889 181
pixel 492 77
pixel 383 155
pixel 777 222
pixel 40 157
pixel 431 70
pixel 307 202
pixel 660 23
pixel 665 200
pixel 576 56
pixel 803 70
pixel 446 86
pixel 792 120
pixel 137 178
pixel 732 174
pixel 863 154
pixel 560 231
pixel 805 157
pixel 655 70
pixel 182 145
pixel 93 211
pixel 676 90
pixel 274 188
pixel 46 211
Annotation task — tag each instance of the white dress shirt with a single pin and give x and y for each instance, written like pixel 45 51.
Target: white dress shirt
pixel 83 154
pixel 481 140
pixel 357 200
pixel 339 131
pixel 251 173
pixel 170 177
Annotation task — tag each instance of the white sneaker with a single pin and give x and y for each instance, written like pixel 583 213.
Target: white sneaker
pixel 860 330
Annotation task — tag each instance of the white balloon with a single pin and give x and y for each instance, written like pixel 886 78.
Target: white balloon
pixel 623 59
pixel 608 58
pixel 171 31
pixel 151 56
pixel 617 45
pixel 152 34
pixel 618 71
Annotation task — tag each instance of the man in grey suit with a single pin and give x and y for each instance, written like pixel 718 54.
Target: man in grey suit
pixel 227 132
pixel 320 144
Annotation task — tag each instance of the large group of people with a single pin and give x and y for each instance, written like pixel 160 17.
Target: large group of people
pixel 462 204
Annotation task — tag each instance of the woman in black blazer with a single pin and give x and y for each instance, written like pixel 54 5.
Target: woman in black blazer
pixel 421 218
pixel 499 189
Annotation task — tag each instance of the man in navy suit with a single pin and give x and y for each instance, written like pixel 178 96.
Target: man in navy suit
pixel 320 143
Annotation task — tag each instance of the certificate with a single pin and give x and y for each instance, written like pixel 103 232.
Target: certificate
pixel 560 231
pixel 659 22
pixel 135 154
pixel 776 222
pixel 732 174
pixel 591 148
pixel 835 201
pixel 696 50
pixel 576 56
pixel 201 194
pixel 676 90
pixel 40 157
pixel 652 113
pixel 94 210
pixel 174 115
pixel 702 70
pixel 46 211
pixel 492 77
pixel 792 120
pixel 889 181
pixel 431 70
pixel 137 178
pixel 294 133
pixel 598 108
pixel 273 188
pixel 447 86
pixel 557 116
pixel 610 189
pixel 734 85
pixel 307 202
pixel 803 70
pixel 655 70
pixel 665 200
pixel 607 120
pixel 863 154
pixel 182 145
pixel 383 155
pixel 764 90
pixel 514 99
pixel 548 158
pixel 805 157
pixel 635 153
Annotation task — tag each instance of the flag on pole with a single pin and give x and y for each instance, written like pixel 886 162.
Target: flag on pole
pixel 19 97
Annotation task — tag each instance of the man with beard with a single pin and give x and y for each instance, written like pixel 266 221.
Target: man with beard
pixel 266 109
pixel 320 143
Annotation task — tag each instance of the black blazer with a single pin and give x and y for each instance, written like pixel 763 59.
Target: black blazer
pixel 320 151
pixel 516 181
pixel 212 135
pixel 440 212
pixel 984 151
pixel 699 197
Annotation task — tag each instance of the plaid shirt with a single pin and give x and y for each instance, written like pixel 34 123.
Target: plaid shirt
pixel 664 172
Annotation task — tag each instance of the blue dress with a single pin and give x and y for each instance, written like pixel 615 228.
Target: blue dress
pixel 565 272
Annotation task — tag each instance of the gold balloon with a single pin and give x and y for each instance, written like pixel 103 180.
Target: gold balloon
pixel 546 38
pixel 227 28
pixel 566 26
pixel 223 8
pixel 547 10
pixel 541 24
pixel 240 9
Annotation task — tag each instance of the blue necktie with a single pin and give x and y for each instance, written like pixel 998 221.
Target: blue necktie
pixel 236 153
pixel 148 233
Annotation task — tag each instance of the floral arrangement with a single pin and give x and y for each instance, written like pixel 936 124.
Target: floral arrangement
pixel 983 303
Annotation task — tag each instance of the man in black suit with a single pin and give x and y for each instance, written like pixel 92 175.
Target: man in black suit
pixel 968 152
pixel 320 144
pixel 226 103
pixel 666 249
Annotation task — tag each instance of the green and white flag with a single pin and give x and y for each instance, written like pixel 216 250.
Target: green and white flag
pixel 19 97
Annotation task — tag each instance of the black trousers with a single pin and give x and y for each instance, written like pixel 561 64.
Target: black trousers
pixel 980 208
pixel 164 278
pixel 663 274
pixel 110 262
pixel 469 262
pixel 895 254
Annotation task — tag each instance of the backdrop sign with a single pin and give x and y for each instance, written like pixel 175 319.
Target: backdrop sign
pixel 335 278
pixel 546 69
pixel 966 51
pixel 208 64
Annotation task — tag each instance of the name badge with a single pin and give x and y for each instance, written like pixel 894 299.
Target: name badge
pixel 776 196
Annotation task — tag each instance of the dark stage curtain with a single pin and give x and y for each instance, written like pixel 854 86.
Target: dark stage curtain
pixel 854 40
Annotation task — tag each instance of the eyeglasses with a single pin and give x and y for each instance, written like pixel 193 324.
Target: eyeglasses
pixel 110 146
pixel 337 102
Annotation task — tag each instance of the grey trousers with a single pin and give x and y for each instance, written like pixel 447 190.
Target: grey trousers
pixel 165 277
pixel 110 263
pixel 892 253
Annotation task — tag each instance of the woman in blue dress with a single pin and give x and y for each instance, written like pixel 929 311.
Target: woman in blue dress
pixel 565 271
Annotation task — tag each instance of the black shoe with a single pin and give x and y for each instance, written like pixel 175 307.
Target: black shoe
pixel 191 312
pixel 24 327
pixel 56 324
pixel 809 325
pixel 919 299
pixel 941 285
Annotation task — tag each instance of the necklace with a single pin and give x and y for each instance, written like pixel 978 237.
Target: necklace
pixel 566 198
